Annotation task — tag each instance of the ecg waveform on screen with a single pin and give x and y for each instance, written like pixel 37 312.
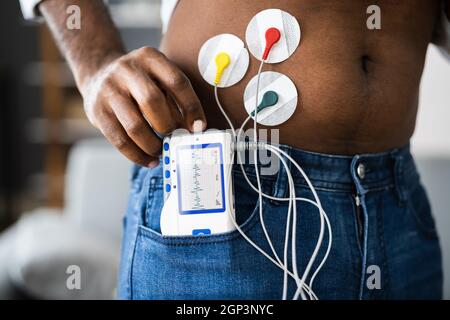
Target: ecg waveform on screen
pixel 201 187
pixel 196 188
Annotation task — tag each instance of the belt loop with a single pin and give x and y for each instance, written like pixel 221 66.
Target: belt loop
pixel 399 182
pixel 281 182
pixel 357 175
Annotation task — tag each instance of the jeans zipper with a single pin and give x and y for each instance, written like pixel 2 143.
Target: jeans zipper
pixel 359 218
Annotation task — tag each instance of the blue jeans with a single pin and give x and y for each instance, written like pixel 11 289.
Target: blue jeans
pixel 385 248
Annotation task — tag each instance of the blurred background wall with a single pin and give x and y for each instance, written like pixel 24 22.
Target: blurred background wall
pixel 431 145
pixel 41 116
pixel 432 135
pixel 51 164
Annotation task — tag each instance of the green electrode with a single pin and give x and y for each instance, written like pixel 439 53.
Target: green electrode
pixel 270 98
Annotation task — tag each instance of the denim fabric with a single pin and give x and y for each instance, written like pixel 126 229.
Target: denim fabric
pixel 392 229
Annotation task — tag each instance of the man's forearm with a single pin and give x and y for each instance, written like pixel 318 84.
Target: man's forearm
pixel 89 48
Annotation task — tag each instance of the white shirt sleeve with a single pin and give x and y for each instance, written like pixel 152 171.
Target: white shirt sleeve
pixel 442 34
pixel 167 8
pixel 30 9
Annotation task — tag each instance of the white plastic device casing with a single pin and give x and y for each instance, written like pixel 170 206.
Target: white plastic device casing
pixel 199 189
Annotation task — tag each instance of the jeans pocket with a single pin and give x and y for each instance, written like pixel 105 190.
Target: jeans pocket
pixel 198 267
pixel 420 209
pixel 192 267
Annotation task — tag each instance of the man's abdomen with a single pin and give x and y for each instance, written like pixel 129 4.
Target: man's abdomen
pixel 358 88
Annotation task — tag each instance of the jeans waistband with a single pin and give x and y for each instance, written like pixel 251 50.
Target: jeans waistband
pixel 365 172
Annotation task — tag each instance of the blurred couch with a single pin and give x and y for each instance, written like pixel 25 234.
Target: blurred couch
pixel 38 253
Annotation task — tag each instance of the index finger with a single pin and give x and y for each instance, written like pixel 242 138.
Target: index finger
pixel 179 86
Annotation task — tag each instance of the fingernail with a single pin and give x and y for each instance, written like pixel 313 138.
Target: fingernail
pixel 197 126
pixel 153 164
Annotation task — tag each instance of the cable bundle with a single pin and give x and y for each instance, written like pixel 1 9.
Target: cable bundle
pixel 291 222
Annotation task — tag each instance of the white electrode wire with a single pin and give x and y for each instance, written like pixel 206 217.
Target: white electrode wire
pixel 278 262
pixel 280 265
pixel 291 198
pixel 260 198
pixel 319 206
pixel 294 227
pixel 258 179
pixel 286 250
pixel 255 160
pixel 230 124
pixel 287 232
pixel 322 212
pixel 292 195
pixel 330 243
pixel 255 155
pixel 322 220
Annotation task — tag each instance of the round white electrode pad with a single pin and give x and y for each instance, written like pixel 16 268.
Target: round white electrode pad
pixel 239 59
pixel 273 18
pixel 286 98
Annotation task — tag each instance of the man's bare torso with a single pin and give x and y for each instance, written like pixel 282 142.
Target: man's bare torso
pixel 358 88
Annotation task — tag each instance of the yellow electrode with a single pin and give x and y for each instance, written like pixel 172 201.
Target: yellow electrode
pixel 222 62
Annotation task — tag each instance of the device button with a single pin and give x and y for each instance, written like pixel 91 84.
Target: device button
pixel 167 187
pixel 199 232
pixel 166 160
pixel 166 146
pixel 167 173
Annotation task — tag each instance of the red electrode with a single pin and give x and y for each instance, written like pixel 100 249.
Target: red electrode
pixel 272 36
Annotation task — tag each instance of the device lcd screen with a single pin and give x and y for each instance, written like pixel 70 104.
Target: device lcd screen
pixel 200 178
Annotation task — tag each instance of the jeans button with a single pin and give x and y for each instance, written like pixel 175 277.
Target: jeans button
pixel 361 170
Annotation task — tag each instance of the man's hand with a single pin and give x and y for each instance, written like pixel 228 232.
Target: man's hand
pixel 128 97
pixel 133 94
